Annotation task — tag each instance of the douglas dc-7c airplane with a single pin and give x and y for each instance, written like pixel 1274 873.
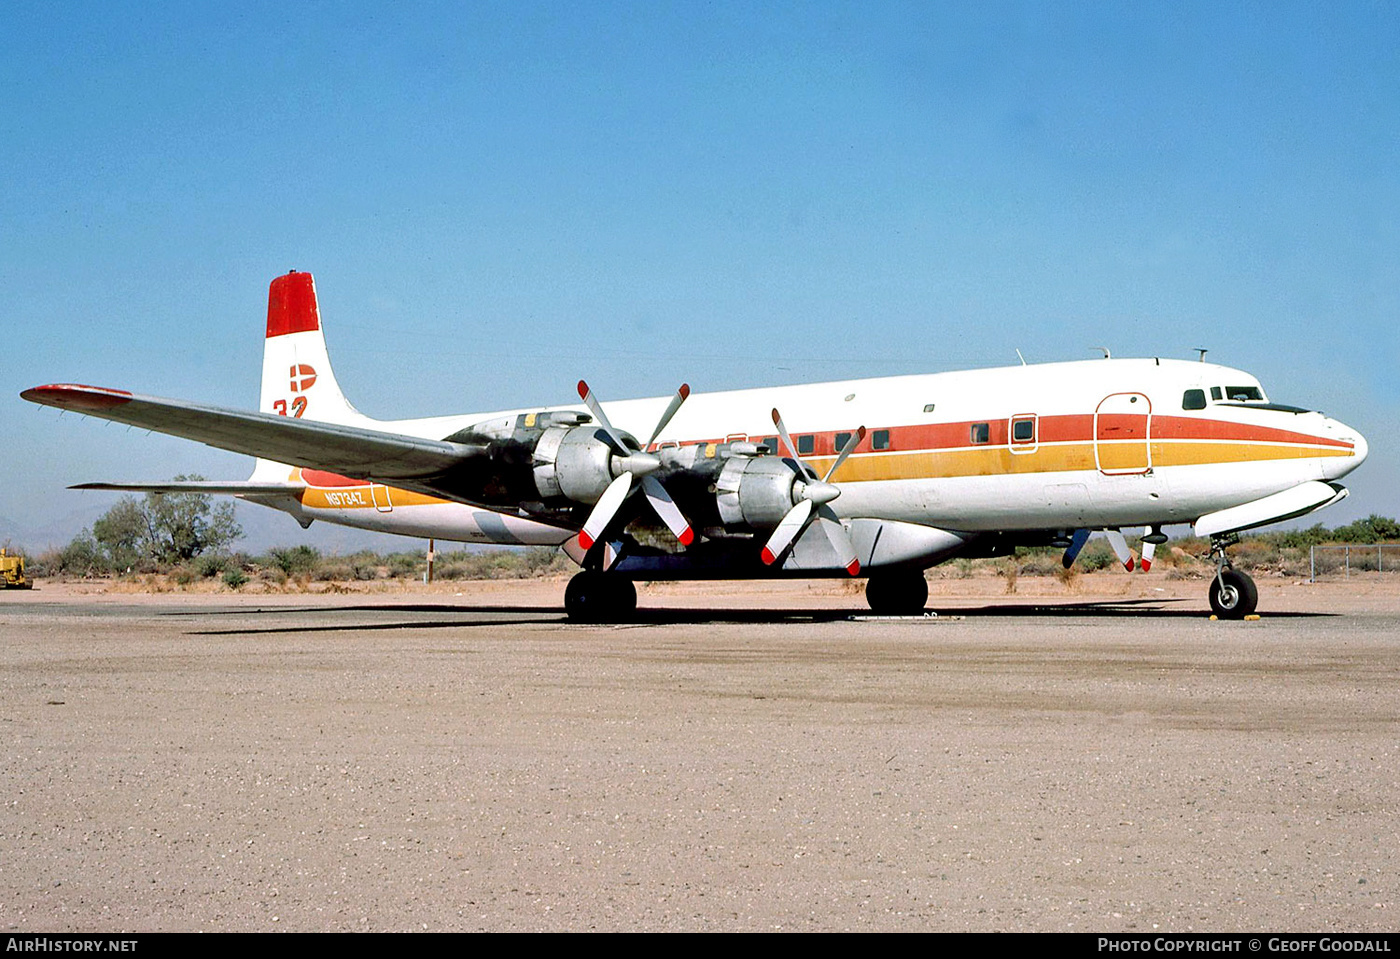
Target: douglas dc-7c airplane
pixel 883 478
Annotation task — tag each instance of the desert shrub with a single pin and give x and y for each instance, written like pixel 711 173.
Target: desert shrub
pixel 292 560
pixel 330 571
pixel 407 565
pixel 235 577
pixel 211 566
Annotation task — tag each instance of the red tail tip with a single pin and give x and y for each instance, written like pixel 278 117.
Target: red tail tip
pixel 291 305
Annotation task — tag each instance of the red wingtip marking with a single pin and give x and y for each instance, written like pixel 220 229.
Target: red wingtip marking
pixel 854 568
pixel 1146 565
pixel 76 396
pixel 768 557
pixel 585 540
pixel 291 305
pixel 687 536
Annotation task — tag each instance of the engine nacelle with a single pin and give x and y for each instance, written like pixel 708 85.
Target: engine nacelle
pixel 554 459
pixel 572 462
pixel 755 492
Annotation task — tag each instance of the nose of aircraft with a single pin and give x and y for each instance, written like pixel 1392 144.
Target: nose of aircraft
pixel 1338 466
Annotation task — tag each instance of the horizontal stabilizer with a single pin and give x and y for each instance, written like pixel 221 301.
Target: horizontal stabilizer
pixel 226 487
pixel 1301 499
pixel 349 450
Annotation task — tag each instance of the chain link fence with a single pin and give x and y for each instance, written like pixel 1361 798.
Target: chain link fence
pixel 1358 557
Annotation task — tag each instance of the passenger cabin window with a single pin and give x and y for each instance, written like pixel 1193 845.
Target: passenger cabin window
pixel 806 445
pixel 772 443
pixel 981 432
pixel 1216 394
pixel 880 440
pixel 1193 400
pixel 1023 430
pixel 1245 394
pixel 841 440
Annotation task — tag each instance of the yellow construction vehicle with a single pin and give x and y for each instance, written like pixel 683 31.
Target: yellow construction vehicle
pixel 12 571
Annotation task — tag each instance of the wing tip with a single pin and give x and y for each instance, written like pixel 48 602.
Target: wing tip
pixel 76 396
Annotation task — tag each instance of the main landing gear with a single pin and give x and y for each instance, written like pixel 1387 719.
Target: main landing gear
pixel 597 597
pixel 1233 594
pixel 897 593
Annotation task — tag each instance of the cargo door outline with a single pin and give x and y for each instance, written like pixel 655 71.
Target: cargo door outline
pixel 1123 435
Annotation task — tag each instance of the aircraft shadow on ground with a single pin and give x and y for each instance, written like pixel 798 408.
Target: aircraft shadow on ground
pixel 401 617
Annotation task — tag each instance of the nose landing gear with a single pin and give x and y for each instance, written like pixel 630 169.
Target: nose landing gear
pixel 1233 594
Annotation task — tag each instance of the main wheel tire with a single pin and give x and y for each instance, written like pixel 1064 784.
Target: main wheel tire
pixel 595 597
pixel 1233 595
pixel 897 594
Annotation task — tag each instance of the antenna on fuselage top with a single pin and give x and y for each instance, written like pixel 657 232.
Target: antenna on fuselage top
pixel 1203 351
pixel 1106 354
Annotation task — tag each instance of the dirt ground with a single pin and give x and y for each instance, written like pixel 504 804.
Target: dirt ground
pixel 747 757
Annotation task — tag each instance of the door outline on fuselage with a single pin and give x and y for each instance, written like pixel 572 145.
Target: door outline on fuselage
pixel 1113 456
pixel 382 499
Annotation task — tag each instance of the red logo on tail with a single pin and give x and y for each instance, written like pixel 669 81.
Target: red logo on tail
pixel 303 377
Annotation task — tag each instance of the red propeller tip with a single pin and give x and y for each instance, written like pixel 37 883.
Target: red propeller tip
pixel 768 558
pixel 585 540
pixel 854 568
pixel 687 536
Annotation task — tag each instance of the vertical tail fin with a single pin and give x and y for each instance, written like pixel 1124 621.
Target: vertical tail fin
pixel 297 379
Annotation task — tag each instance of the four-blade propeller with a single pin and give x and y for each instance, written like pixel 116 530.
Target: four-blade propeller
pixel 629 464
pixel 812 496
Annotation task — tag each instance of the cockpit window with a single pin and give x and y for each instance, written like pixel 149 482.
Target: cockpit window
pixel 1216 393
pixel 1245 394
pixel 1193 400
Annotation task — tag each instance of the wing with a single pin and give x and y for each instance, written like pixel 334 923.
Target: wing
pixel 349 450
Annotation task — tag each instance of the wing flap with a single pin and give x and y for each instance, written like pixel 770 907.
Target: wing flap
pixel 351 450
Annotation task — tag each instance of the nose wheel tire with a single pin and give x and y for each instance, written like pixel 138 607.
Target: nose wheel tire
pixel 1233 594
pixel 596 597
pixel 897 594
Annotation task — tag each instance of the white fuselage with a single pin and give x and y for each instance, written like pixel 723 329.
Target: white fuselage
pixel 1097 443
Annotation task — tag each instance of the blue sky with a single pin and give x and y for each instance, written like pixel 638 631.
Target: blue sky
pixel 497 199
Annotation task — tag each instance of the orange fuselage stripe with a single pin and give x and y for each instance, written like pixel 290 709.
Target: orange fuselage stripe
pixel 947 450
